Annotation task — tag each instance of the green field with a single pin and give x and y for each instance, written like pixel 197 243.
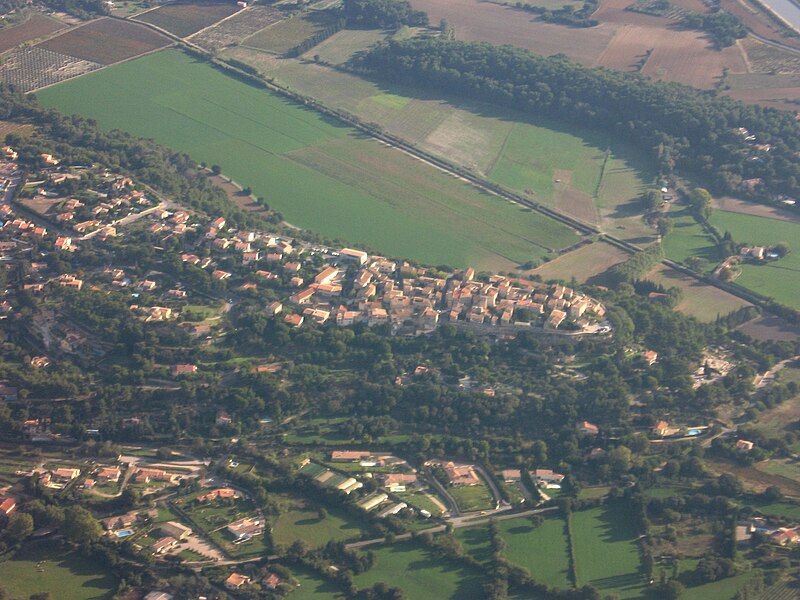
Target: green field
pixel 282 36
pixel 303 523
pixel 510 147
pixel 689 239
pixel 320 175
pixel 421 575
pixel 779 279
pixel 542 550
pixel 472 497
pixel 45 567
pixel 338 48
pixel 606 552
pixel 312 586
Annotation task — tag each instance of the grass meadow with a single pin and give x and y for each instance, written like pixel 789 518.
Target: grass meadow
pixel 606 552
pixel 45 567
pixel 778 279
pixel 421 575
pixel 542 550
pixel 319 174
pixel 299 521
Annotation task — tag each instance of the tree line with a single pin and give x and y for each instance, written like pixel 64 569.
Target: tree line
pixel 678 125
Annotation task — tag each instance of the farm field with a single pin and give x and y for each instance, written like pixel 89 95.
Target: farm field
pixel 242 25
pixel 320 175
pixel 34 28
pixel 106 41
pixel 606 552
pixel 777 279
pixel 583 264
pixel 700 300
pixel 65 575
pixel 541 550
pixel 421 575
pixel 341 46
pixel 30 68
pixel 285 35
pixel 770 328
pixel 551 163
pixel 185 18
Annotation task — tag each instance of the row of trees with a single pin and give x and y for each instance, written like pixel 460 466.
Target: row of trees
pixel 678 125
pixel 382 14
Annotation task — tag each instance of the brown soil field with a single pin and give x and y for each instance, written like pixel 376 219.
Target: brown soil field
pixel 695 5
pixel 107 41
pixel 235 195
pixel 34 28
pixel 758 22
pixel 476 21
pixel 780 98
pixel 40 205
pixel 185 18
pixel 242 25
pixel 758 210
pixel 583 264
pixel 613 11
pixel 769 327
pixel 755 480
pixel 570 200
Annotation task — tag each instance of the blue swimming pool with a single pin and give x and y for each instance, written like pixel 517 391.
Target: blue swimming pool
pixel 694 432
pixel 124 533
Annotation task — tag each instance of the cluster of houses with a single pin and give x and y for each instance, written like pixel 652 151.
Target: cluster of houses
pixel 777 534
pixel 237 581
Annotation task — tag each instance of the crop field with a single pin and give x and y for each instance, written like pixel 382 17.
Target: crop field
pixel 34 28
pixel 606 552
pixel 541 550
pixel 45 567
pixel 242 25
pixel 583 264
pixel 700 300
pixel 319 174
pixel 29 68
pixel 421 575
pixel 554 164
pixel 107 41
pixel 341 46
pixel 185 18
pixel 285 35
pixel 777 279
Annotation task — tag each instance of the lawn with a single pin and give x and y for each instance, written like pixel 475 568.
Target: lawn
pixel 779 279
pixel 318 174
pixel 312 586
pixel 421 575
pixel 606 552
pixel 301 521
pixel 472 497
pixel 689 239
pixel 420 500
pixel 542 550
pixel 285 35
pixel 45 567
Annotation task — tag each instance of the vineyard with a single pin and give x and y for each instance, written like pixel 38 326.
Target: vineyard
pixel 781 591
pixel 32 68
pixel 238 27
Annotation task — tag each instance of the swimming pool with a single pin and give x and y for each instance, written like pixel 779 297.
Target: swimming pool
pixel 694 432
pixel 124 533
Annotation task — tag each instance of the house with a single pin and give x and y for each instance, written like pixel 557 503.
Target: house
pixel 555 319
pixel 245 529
pixel 108 474
pixel 66 474
pixel 7 506
pixel 218 493
pixel 236 580
pixel 303 296
pixel 48 159
pixel 661 428
pixel 294 320
pixel 271 581
pixel 63 243
pixel 462 475
pixel 148 475
pixel 651 357
pixel 547 476
pixel 326 275
pixel 158 596
pixel 784 536
pixel 176 530
pixel 274 308
pixel 70 281
pixel 587 428
pixel 220 275
pixel 511 475
pixel 356 256
pixel 184 369
pixel 162 545
pixel 349 455
pixel 744 445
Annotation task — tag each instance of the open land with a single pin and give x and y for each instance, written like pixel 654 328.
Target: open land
pixel 583 264
pixel 36 27
pixel 185 18
pixel 700 300
pixel 769 327
pixel 243 24
pixel 319 174
pixel 688 238
pixel 421 575
pixel 300 521
pixel 776 279
pixel 43 567
pixel 341 46
pixel 606 552
pixel 312 586
pixel 285 35
pixel 552 163
pixel 107 41
pixel 735 205
pixel 542 550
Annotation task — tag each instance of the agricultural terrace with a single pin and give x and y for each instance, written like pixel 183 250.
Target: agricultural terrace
pixel 421 575
pixel 777 279
pixel 185 18
pixel 565 167
pixel 320 175
pixel 606 555
pixel 36 27
pixel 700 300
pixel 285 35
pixel 583 264
pixel 46 567
pixel 107 41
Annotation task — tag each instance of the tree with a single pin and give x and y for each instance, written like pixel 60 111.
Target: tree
pixel 19 527
pixel 80 527
pixel 651 199
pixel 664 226
pixel 700 201
pixel 781 249
pixel 619 459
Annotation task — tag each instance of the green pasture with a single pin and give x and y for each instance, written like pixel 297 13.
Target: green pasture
pixel 421 575
pixel 320 175
pixel 46 567
pixel 542 550
pixel 299 521
pixel 606 552
pixel 472 497
pixel 312 586
pixel 341 46
pixel 688 238
pixel 779 279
